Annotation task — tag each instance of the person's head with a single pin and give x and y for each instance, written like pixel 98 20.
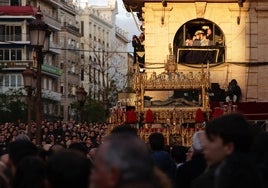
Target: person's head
pixel 203 36
pixel 56 148
pixel 198 34
pixel 225 135
pixel 233 82
pixel 122 159
pixel 30 172
pixel 198 141
pixel 78 147
pixel 189 153
pixel 157 141
pixel 209 31
pixel 19 149
pixel 92 153
pixel 178 153
pixel 161 180
pixel 5 176
pixel 22 137
pixel 259 148
pixel 68 169
pixel 124 129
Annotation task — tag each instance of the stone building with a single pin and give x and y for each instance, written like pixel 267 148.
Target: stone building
pixel 121 61
pixel 16 52
pixel 98 33
pixel 83 51
pixel 239 33
pixel 70 57
pixel 104 51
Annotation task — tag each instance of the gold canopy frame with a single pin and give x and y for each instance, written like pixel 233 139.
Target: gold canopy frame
pixel 157 93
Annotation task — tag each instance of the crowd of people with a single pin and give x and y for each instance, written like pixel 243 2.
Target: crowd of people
pixel 229 153
pixel 90 134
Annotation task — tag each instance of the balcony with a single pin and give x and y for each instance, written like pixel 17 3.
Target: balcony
pixel 52 22
pixel 17 39
pixel 9 89
pixel 46 94
pixel 52 70
pixel 72 29
pixel 55 48
pixel 52 95
pixel 19 64
pixel 16 64
pixel 200 54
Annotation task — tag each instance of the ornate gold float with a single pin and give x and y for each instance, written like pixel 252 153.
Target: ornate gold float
pixel 173 97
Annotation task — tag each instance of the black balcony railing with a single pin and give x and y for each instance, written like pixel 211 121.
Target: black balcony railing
pixel 16 63
pixel 201 54
pixel 71 27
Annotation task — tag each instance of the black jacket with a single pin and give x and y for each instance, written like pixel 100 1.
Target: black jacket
pixel 187 172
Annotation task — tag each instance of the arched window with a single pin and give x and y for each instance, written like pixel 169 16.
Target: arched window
pixel 199 41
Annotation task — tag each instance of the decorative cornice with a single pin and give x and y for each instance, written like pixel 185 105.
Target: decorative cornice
pixel 200 8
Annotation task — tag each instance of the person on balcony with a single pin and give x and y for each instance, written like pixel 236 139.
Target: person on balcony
pixel 233 93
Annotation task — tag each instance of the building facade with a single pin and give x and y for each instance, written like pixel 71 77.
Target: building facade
pixel 238 31
pixel 104 57
pixel 122 63
pixel 70 58
pixel 85 49
pixel 17 53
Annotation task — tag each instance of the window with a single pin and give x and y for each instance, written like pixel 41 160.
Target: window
pixel 82 28
pixel 17 30
pixel 73 68
pixel 12 80
pixel 10 54
pixel 49 60
pixel 73 43
pixel 199 41
pixel 19 80
pixel 50 84
pixel 50 108
pixel 7 55
pixel 45 108
pixel 45 83
pixel 1 55
pixel 89 73
pixel 13 54
pixel 15 2
pixel 61 89
pixel 1 80
pixel 10 33
pixel 4 3
pixel 2 33
pixel 6 80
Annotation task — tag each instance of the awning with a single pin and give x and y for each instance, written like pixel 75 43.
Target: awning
pixel 18 10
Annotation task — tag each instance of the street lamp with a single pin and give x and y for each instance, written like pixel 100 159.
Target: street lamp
pixel 38 29
pixel 81 95
pixel 29 79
